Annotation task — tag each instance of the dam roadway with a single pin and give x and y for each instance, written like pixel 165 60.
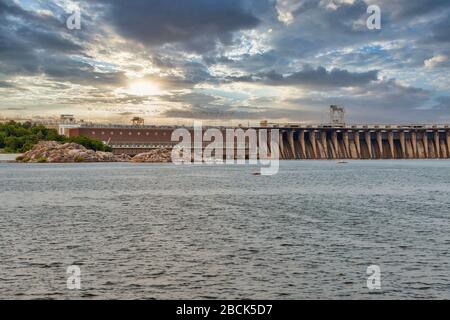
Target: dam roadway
pixel 301 141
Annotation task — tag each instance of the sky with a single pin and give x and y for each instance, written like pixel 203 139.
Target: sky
pixel 225 61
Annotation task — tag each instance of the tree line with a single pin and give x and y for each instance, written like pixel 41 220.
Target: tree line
pixel 21 137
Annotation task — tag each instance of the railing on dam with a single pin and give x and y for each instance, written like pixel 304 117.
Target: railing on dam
pixel 361 126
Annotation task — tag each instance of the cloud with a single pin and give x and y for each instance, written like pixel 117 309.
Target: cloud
pixel 125 99
pixel 225 112
pixel 406 9
pixel 190 98
pixel 34 44
pixel 285 8
pixel 435 61
pixel 442 104
pixel 440 31
pixel 280 59
pixel 316 78
pixel 7 85
pixel 384 101
pixel 197 24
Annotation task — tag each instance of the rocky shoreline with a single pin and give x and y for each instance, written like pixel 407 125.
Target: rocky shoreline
pixel 55 152
pixel 154 156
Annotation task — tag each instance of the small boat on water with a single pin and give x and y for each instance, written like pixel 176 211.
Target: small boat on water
pixel 342 162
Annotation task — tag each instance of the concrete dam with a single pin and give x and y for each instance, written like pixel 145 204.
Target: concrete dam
pixel 365 142
pixel 299 141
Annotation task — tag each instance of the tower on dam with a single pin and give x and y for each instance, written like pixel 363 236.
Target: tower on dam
pixel 337 115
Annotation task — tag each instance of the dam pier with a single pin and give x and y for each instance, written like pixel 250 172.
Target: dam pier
pixel 365 142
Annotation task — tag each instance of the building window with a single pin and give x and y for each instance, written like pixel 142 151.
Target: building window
pixel 129 133
pixel 139 133
pixel 121 133
pixel 103 132
pixel 147 134
pixel 156 133
pixel 112 133
pixel 93 132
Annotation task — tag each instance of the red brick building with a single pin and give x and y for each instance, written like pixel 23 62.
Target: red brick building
pixel 127 139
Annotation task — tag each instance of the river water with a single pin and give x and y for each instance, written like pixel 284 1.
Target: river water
pixel 152 231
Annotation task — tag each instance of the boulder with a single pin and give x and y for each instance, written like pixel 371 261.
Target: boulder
pixel 123 158
pixel 154 156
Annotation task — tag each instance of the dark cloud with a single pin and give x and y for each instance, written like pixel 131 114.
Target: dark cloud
pixel 260 62
pixel 193 73
pixel 126 99
pixel 201 106
pixel 379 102
pixel 407 9
pixel 225 112
pixel 23 32
pixel 36 44
pixel 317 78
pixel 198 99
pixel 78 72
pixel 197 24
pixel 441 30
pixel 202 112
pixel 15 109
pixel 442 104
pixel 7 85
pixel 317 29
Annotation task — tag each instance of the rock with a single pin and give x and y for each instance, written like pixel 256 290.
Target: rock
pixel 123 158
pixel 54 152
pixel 154 156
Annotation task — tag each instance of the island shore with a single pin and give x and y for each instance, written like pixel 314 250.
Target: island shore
pixel 55 152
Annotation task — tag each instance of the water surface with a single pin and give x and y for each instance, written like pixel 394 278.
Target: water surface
pixel 143 231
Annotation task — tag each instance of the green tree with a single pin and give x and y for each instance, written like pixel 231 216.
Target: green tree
pixel 16 137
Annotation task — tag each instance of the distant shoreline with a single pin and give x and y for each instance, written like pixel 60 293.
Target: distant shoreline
pixel 9 157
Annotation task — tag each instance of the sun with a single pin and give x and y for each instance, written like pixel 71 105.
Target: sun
pixel 143 88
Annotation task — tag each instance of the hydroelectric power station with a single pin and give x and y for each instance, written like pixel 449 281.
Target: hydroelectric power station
pixel 335 140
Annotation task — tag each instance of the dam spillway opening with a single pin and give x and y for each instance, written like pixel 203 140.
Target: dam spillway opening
pixel 339 143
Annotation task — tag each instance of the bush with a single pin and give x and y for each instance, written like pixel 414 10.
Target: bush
pixel 42 160
pixel 79 159
pixel 90 143
pixel 19 138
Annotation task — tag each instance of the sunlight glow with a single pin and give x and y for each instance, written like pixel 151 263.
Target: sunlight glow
pixel 143 88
